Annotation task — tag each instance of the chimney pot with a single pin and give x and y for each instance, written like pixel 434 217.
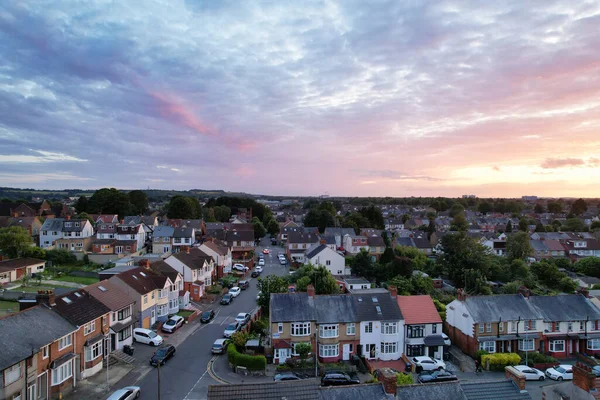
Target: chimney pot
pixel 67 217
pixel 393 291
pixel 310 289
pixel 389 380
pixel 45 297
pixel 460 295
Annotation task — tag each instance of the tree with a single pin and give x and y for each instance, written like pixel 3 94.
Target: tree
pixel 484 207
pixel 399 266
pixel 222 213
pixel 539 227
pixel 387 256
pixel 318 276
pixel 303 350
pixel 14 241
pixel 518 270
pixel 139 202
pixel 555 207
pixel 578 207
pixel 459 223
pixel 523 224
pixel 110 201
pixel 85 215
pixel 319 218
pixel 373 215
pixel 462 253
pixel 259 229
pixel 82 204
pixel 363 265
pixel 456 209
pixel 518 246
pixel 419 259
pixel 573 225
pixel 567 285
pixel 405 217
pixel 270 284
pixel 595 225
pixel 272 227
pixel 239 339
pixel 509 226
pixel 539 208
pixel 184 207
pixel 557 225
pixel 588 266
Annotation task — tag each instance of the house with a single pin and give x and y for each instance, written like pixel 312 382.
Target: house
pixel 222 256
pixel 31 209
pixel 355 244
pixel 183 237
pixel 322 255
pixel 540 250
pixel 586 282
pixel 371 232
pixel 339 234
pixel 91 318
pixel 391 224
pixel 105 218
pixel 31 224
pixel 130 235
pixel 37 359
pixel 578 248
pixel 162 238
pixel 72 232
pixel 178 297
pixel 241 243
pixel 15 269
pixel 122 318
pixel 297 244
pixel 352 283
pixel 376 246
pixel 423 326
pixel 496 246
pixel 106 230
pixel 555 248
pixel 196 268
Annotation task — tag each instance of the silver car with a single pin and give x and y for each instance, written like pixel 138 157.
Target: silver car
pixel 127 393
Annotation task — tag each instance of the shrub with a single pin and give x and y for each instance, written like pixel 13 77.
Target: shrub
pixel 537 358
pixel 404 379
pixel 480 353
pixel 497 361
pixel 252 363
pixel 372 379
pixel 283 368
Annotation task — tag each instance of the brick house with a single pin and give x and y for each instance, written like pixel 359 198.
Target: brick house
pixel 17 268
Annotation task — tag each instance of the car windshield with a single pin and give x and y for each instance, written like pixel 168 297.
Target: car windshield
pixel 206 314
pixel 227 296
pixel 170 322
pixel 230 327
pixel 161 352
pixel 217 345
pixel 152 335
pixel 560 370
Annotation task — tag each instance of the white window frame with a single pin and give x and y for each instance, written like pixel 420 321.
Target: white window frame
pixel 527 344
pixel 552 346
pixel 486 346
pixel 351 329
pixel 329 350
pixel 329 331
pixel 62 373
pixel 12 374
pixel 146 299
pixel 44 352
pixel 369 327
pixel 593 344
pixel 280 327
pixel 388 347
pixel 389 328
pixel 300 329
pixel 65 341
pixel 94 351
pixel 89 328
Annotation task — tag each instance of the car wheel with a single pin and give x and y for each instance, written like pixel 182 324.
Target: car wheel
pixel 560 378
pixel 152 344
pixel 137 395
pixel 541 378
pixel 134 340
pixel 440 368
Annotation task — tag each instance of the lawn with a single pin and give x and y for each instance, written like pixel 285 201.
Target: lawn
pixel 76 279
pixel 9 306
pixel 184 313
pixel 35 288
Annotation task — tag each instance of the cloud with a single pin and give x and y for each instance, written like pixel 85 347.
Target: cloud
pixel 43 157
pixel 394 175
pixel 496 168
pixel 551 163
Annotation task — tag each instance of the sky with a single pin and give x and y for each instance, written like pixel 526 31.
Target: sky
pixel 348 98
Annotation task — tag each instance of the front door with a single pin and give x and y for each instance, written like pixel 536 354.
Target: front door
pixel 284 354
pixel 370 351
pixel 346 351
pixel 113 341
pixel 152 317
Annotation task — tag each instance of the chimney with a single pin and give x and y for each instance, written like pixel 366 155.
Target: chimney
pixel 45 297
pixel 393 291
pixel 389 380
pixel 524 291
pixel 310 289
pixel 15 214
pixel 186 249
pixel 460 295
pixel 322 241
pixel 517 377
pixel 144 263
pixel 68 217
pixel 584 291
pixel 583 377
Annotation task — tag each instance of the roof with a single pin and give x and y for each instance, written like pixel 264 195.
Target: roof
pixel 52 224
pixel 106 218
pixel 306 389
pixel 291 307
pixel 493 390
pixel 508 306
pixel 236 235
pixel 356 281
pixel 339 231
pixel 375 241
pixel 80 307
pixel 163 231
pixel 47 325
pixel 372 391
pixel 132 220
pixel 195 259
pixel 376 307
pixel 162 268
pixel 335 309
pixel 128 229
pixel 16 263
pixel 301 237
pixel 139 279
pixel 438 391
pixel 183 232
pixel 575 307
pixel 74 225
pixel 418 310
pixel 316 250
pixel 216 248
pixel 109 294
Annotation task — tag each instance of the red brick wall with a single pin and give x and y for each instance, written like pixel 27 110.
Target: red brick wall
pixel 467 344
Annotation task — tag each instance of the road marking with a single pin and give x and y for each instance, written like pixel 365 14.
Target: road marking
pixel 211 372
pixel 196 384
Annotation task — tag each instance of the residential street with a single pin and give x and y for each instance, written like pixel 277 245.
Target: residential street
pixel 185 376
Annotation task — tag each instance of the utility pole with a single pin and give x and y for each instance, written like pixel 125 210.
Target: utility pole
pixel 107 365
pixel 158 366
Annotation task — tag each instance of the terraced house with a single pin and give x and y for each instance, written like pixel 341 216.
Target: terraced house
pixel 65 233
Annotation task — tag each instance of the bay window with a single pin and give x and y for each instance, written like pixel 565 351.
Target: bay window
pixel 328 331
pixel 557 346
pixel 300 328
pixel 329 350
pixel 527 344
pixel 490 347
pixel 593 344
pixel 94 351
pixel 62 373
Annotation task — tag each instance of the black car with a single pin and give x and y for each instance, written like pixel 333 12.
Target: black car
pixel 243 285
pixel 273 241
pixel 226 299
pixel 255 274
pixel 162 355
pixel 436 376
pixel 289 376
pixel 207 316
pixel 335 378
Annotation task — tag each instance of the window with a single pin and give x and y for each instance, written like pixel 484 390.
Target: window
pixel 527 344
pixel 65 341
pixel 593 344
pixel 556 327
pixel 62 373
pixel 300 328
pixel 280 327
pixel 89 328
pixel 530 325
pixel 162 310
pixel 146 299
pixel 490 347
pixel 434 328
pixel 124 334
pixel 481 328
pixel 513 326
pixel 328 331
pixel 152 295
pixel 488 327
pixel 124 313
pixel 328 262
pixel 415 331
pixel 581 325
pixel 390 328
pixel 388 348
pixel 45 352
pixel 31 391
pixel 329 350
pixel 351 329
pixel 12 374
pixel 94 351
pixel 570 326
pixel 207 281
pixel 415 350
pixel 369 327
pixel 557 346
pixel 500 327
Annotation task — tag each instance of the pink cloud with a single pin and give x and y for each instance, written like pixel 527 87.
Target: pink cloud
pixel 174 110
pixel 561 162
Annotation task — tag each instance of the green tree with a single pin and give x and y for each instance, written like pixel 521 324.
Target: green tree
pixel 588 266
pixel 573 225
pixel 399 266
pixel 110 201
pixel 222 213
pixel 239 339
pixel 319 218
pixel 405 217
pixel 518 270
pixel 403 284
pixel 85 215
pixel 363 265
pixel 270 284
pixel 595 226
pixel 539 208
pixel 484 207
pixel 273 227
pixel 557 225
pixel 387 256
pixel 419 259
pixel 14 241
pixel 459 223
pixel 518 246
pixel 509 227
pixel 461 253
pixel 555 207
pixel 422 284
pixel 139 202
pixel 523 224
pixel 567 285
pixel 319 277
pixel 456 209
pixel 303 350
pixel 184 207
pixel 259 229
pixel 82 204
pixel 539 227
pixel 373 215
pixel 578 207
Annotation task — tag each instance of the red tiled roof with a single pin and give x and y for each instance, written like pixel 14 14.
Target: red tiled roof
pixel 418 310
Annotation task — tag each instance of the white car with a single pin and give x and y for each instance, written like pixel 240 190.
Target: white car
pixel 235 291
pixel 173 323
pixel 127 393
pixel 231 329
pixel 240 267
pixel 561 372
pixel 531 374
pixel 261 262
pixel 147 336
pixel 242 318
pixel 446 340
pixel 425 363
pixel 258 269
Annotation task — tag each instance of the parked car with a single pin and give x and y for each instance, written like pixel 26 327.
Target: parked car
pixel 176 321
pixel 261 262
pixel 282 261
pixel 226 299
pixel 336 378
pixel 255 274
pixel 162 355
pixel 596 370
pixel 207 316
pixel 531 374
pixel 219 346
pixel 266 251
pixel 561 372
pixel 240 267
pixel 447 341
pixel 127 393
pixel 242 318
pixel 273 241
pixel 147 336
pixel 235 291
pixel 258 269
pixel 436 376
pixel 243 285
pixel 424 363
pixel 289 376
pixel 231 329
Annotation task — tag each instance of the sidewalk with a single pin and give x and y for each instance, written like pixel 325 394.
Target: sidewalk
pixel 221 370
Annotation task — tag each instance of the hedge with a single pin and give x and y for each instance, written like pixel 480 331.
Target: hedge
pixel 534 357
pixel 497 361
pixel 252 363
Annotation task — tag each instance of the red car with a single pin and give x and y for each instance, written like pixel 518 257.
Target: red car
pixel 266 251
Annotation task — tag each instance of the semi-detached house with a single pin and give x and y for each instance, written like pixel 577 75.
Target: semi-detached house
pixel 196 268
pixel 64 233
pixel 423 326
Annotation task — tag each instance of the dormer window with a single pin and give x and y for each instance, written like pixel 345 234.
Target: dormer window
pixel 76 224
pixel 67 224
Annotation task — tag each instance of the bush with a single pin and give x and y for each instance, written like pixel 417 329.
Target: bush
pixel 498 361
pixel 283 368
pixel 480 353
pixel 404 379
pixel 537 358
pixel 252 363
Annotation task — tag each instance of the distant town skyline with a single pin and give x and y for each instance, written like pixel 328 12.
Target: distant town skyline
pixel 304 98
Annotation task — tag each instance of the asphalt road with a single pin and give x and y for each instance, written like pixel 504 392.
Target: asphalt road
pixel 186 376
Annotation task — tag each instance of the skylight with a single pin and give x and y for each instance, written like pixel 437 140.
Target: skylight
pixel 360 299
pixel 67 300
pixel 102 288
pixel 135 277
pixel 77 294
pixel 374 299
pixel 142 274
pixel 378 309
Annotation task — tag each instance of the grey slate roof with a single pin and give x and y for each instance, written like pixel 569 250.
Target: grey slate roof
pixel 371 392
pixel 493 390
pixel 81 307
pixel 53 224
pixel 306 389
pixel 439 391
pixel 183 232
pixel 366 307
pixel 132 220
pixel 335 308
pixel 316 250
pixel 508 306
pixel 163 231
pixel 339 231
pixel 44 327
pixel 575 307
pixel 286 307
